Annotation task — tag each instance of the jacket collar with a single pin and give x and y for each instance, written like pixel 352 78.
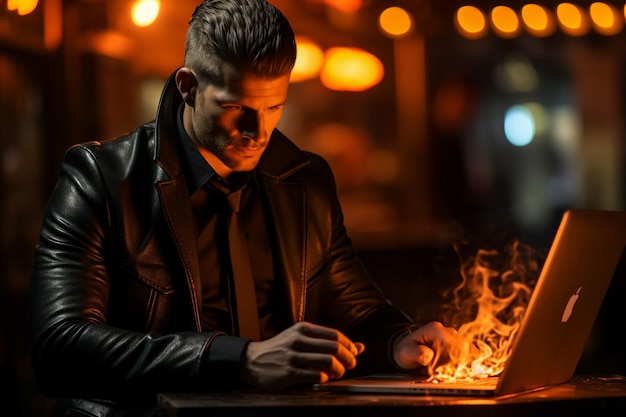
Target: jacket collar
pixel 281 159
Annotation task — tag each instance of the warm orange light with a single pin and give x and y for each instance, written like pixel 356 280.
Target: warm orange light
pixel 22 7
pixel 346 6
pixel 109 43
pixel 145 12
pixel 395 21
pixel 605 18
pixel 309 61
pixel 505 21
pixel 487 308
pixel 351 69
pixel 470 22
pixel 537 20
pixel 53 23
pixel 571 19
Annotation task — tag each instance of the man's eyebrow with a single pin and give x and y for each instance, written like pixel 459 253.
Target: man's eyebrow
pixel 236 103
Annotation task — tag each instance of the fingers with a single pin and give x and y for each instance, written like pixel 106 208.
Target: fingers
pixel 303 353
pixel 324 378
pixel 411 355
pixel 338 353
pixel 323 354
pixel 424 355
pixel 429 344
pixel 327 365
pixel 321 332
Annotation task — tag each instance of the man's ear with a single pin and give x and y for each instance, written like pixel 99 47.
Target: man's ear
pixel 187 85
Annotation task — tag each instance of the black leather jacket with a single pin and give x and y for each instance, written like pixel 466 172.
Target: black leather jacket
pixel 114 301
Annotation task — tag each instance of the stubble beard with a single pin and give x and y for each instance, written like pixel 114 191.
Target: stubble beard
pixel 215 141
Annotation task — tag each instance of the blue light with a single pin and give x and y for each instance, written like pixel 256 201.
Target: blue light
pixel 519 126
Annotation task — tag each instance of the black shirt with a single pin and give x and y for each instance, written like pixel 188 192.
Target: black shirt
pixel 207 192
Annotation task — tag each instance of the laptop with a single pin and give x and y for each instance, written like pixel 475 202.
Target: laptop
pixel 556 324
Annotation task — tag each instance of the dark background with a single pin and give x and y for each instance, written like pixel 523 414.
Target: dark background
pixel 421 159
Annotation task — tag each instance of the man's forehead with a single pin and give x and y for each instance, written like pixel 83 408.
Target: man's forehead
pixel 249 85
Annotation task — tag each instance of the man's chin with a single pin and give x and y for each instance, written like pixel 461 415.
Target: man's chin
pixel 243 162
pixel 244 166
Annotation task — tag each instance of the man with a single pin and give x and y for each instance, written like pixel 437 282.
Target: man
pixel 132 290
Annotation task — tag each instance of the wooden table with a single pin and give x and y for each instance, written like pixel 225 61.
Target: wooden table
pixel 593 396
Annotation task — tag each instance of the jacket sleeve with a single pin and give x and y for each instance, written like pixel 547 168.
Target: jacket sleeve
pixel 347 298
pixel 75 352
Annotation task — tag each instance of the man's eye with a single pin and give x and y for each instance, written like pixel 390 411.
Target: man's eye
pixel 275 108
pixel 231 107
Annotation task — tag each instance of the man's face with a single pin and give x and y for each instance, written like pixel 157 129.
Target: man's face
pixel 234 122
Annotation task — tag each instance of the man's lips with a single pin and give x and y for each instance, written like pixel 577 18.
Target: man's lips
pixel 246 145
pixel 246 149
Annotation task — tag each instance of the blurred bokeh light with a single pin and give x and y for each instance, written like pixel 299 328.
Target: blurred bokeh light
pixel 505 21
pixel 145 12
pixel 309 60
pixel 395 21
pixel 538 20
pixel 471 22
pixel 351 69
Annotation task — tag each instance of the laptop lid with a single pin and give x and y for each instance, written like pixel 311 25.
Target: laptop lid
pixel 566 300
pixel 557 322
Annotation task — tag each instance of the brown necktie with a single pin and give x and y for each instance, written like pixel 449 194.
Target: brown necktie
pixel 245 294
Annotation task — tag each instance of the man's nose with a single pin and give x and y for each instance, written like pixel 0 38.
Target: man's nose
pixel 252 125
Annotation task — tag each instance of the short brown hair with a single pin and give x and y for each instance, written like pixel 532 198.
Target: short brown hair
pixel 250 35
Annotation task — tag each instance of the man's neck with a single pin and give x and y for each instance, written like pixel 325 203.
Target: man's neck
pixel 218 166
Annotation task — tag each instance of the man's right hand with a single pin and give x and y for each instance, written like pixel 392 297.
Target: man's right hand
pixel 431 345
pixel 304 353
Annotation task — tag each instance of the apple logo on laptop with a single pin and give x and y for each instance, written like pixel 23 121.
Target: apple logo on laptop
pixel 570 306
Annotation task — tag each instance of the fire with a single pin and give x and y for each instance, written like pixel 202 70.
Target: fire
pixel 487 309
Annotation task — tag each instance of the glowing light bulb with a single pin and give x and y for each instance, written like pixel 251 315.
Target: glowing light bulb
pixel 23 7
pixel 537 19
pixel 351 69
pixel 309 60
pixel 505 21
pixel 571 19
pixel 395 21
pixel 145 12
pixel 605 18
pixel 470 22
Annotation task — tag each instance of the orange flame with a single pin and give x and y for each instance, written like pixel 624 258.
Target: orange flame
pixel 489 302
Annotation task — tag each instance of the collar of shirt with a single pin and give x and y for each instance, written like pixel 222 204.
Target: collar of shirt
pixel 197 169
